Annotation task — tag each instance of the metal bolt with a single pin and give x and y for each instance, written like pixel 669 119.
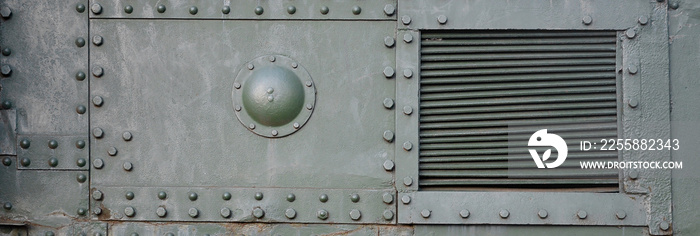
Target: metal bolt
pixel 226 196
pixel 633 174
pixel 226 9
pixel 632 69
pixel 259 10
pixel 322 214
pixel 291 197
pixel 129 211
pixel 582 214
pixel 442 19
pixel 407 146
pixel 129 195
pixel 96 8
pixel 355 214
pixel 673 5
pixel 128 9
pixel 127 136
pixel 225 212
pixel 621 214
pixel 408 38
pixel 7 206
pixel 80 162
pixel 323 198
pixel 389 41
pixel 296 125
pixel 630 33
pixel 97 101
pixel 193 10
pixel 192 196
pixel 388 72
pixel 324 10
pixel 193 212
pixel 633 103
pixel 6 51
pixel 25 162
pixel 53 162
pixel 274 132
pixel 80 8
pixel 356 10
pixel 160 8
pixel 407 73
pixel 250 66
pixel 81 178
pixel 664 225
pixel 7 161
pixel 388 165
pixel 587 20
pixel 112 151
pixel 542 213
pixel 291 10
pixel 97 71
pixel 24 144
pixel 389 9
pixel 425 213
pixel 97 211
pixel 98 163
pixel 127 166
pixel 406 199
pixel 504 213
pixel 387 198
pixel 97 40
pixel 388 103
pixel 407 181
pixel 290 213
pixel 258 196
pixel 251 126
pixel 354 197
pixel 643 20
pixel 53 144
pixel 80 42
pixel 80 109
pixel 6 70
pixel 464 213
pixel 406 20
pixel 161 212
pixel 97 195
pixel 388 214
pixel 82 211
pixel 258 213
pixel 97 132
pixel 162 195
pixel 388 136
pixel 407 110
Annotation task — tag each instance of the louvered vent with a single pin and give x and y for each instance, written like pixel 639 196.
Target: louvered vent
pixel 480 89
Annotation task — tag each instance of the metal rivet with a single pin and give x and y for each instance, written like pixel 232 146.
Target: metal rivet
pixel 324 10
pixel 97 132
pixel 389 41
pixel 251 126
pixel 291 10
pixel 25 162
pixel 192 196
pixel 388 136
pixel 24 144
pixel 6 51
pixel 129 211
pixel 129 195
pixel 237 85
pixel 82 211
pixel 407 110
pixel 406 20
pixel 225 212
pixel 425 213
pixel 630 33
pixel 259 10
pixel 160 8
pixel 542 213
pixel 193 10
pixel 296 125
pixel 250 66
pixel 53 162
pixel 406 199
pixel 97 195
pixel 673 5
pixel 112 151
pixel 80 7
pixel 81 178
pixel 97 101
pixel 442 19
pixel 356 10
pixel 632 69
pixel 258 196
pixel 633 103
pixel 80 76
pixel 6 70
pixel 388 103
pixel 407 181
pixel 587 20
pixel 633 174
pixel 323 198
pixel 127 136
pixel 408 38
pixel 97 40
pixel 272 59
pixel 96 8
pixel 80 162
pixel 226 196
pixel 290 213
pixel 161 212
pixel 354 197
pixel 407 146
pixel 97 211
pixel 387 198
pixel 388 214
pixel 53 144
pixel 80 42
pixel 274 132
pixel 80 109
pixel 388 72
pixel 388 165
pixel 389 9
pixel 7 161
pixel 295 65
pixel 127 166
pixel 193 212
pixel 322 214
pixel 664 225
pixel 621 214
pixel 258 213
pixel 98 163
pixel 504 213
pixel 6 104
pixel 464 213
pixel 582 214
pixel 291 197
pixel 355 214
pixel 128 9
pixel 226 9
pixel 162 195
pixel 97 71
pixel 643 20
pixel 309 106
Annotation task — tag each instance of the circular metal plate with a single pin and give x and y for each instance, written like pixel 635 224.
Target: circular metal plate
pixel 273 96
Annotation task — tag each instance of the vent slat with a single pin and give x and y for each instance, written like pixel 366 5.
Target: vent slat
pixel 482 92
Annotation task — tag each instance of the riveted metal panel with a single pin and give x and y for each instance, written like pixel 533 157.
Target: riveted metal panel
pixel 407 109
pixel 145 228
pixel 69 152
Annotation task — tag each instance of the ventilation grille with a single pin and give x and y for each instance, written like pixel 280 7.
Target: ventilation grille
pixel 477 84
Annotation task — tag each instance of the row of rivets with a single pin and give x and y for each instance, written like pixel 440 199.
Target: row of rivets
pixel 6 70
pixel 257 212
pixel 504 214
pixel 193 10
